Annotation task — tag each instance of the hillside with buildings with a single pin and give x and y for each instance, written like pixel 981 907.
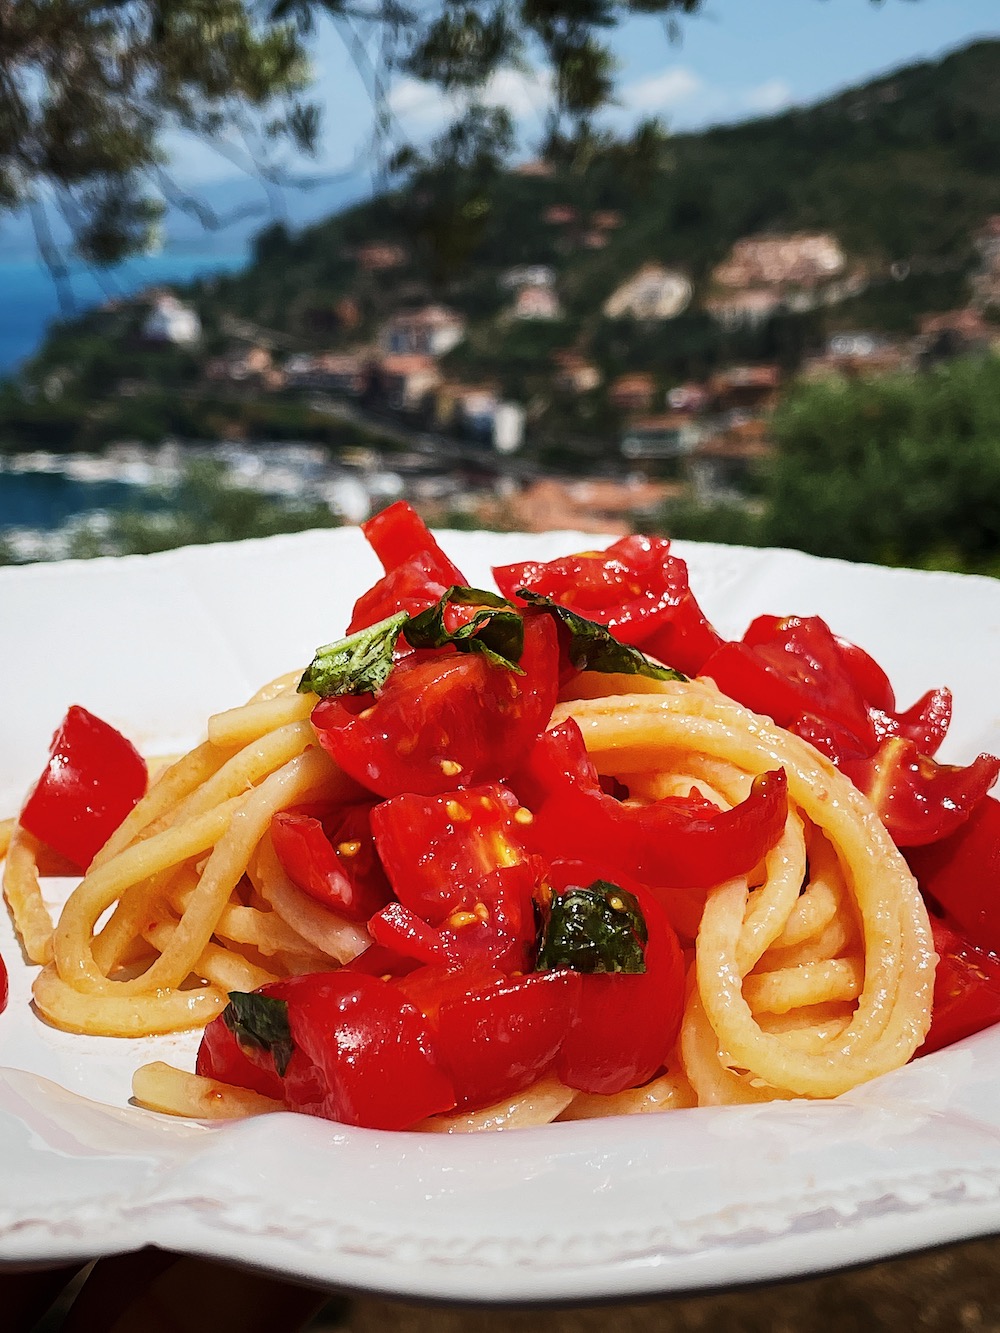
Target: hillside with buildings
pixel 595 322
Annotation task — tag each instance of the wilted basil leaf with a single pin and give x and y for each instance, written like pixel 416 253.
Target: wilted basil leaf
pixel 599 928
pixel 592 647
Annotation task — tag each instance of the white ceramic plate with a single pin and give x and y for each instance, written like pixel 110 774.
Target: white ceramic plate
pixel 572 1212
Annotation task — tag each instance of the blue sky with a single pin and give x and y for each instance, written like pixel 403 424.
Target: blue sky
pixel 739 58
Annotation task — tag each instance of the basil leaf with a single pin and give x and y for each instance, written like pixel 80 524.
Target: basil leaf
pixel 260 1021
pixel 592 647
pixel 599 928
pixel 359 664
pixel 496 630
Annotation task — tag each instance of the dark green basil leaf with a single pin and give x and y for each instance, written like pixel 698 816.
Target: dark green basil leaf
pixel 496 630
pixel 599 928
pixel 359 664
pixel 260 1021
pixel 592 647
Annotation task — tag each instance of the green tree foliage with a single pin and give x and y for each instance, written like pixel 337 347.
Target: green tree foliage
pixel 903 470
pixel 88 88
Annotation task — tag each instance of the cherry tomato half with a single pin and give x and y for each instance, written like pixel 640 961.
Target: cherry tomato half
pixel 92 780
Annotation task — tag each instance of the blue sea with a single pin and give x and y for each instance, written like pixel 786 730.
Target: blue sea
pixel 28 300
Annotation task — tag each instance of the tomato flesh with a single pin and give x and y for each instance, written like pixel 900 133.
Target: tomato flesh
pixel 497 1041
pixel 93 778
pixel 444 720
pixel 435 849
pixel 333 859
pixel 372 1049
pixel 417 571
pixel 966 989
pixel 673 843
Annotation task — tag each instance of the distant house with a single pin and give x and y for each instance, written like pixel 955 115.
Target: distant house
pixel 795 271
pixel 477 410
pixel 801 259
pixel 955 333
pixel 632 392
pixel 560 215
pixel 252 366
pixel 407 380
pixel 536 169
pixel 574 374
pixel 690 397
pixel 654 292
pixel 598 506
pixel 594 240
pixel 721 463
pixel 744 308
pixel 378 256
pixel 536 303
pixel 335 372
pixel 430 331
pixel 607 219
pixel 170 321
pixel 986 279
pixel 857 354
pixel 528 275
pixel 670 436
pixel 746 390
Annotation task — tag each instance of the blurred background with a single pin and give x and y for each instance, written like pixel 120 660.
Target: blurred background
pixel 722 269
pixel 725 269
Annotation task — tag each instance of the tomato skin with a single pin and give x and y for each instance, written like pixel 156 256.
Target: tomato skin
pixel 791 667
pixel 435 849
pixel 309 850
pixel 93 778
pixel 966 989
pixel 636 588
pixel 417 571
pixel 500 928
pixel 398 534
pixel 220 1056
pixel 444 720
pixel 625 1026
pixel 372 1049
pixel 497 1041
pixel 919 800
pixel 674 843
pixel 961 874
pixel 3 986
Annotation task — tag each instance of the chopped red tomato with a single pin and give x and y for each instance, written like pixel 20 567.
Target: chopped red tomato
pixel 790 669
pixel 435 849
pixel 636 588
pixel 373 1051
pixel 222 1056
pixel 625 1026
pixel 966 989
pixel 92 780
pixel 3 986
pixel 444 720
pixel 674 843
pixel 497 925
pixel 417 571
pixel 333 858
pixel 919 800
pixel 961 874
pixel 498 1040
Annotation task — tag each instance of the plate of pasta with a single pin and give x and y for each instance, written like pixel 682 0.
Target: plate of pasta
pixel 639 849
